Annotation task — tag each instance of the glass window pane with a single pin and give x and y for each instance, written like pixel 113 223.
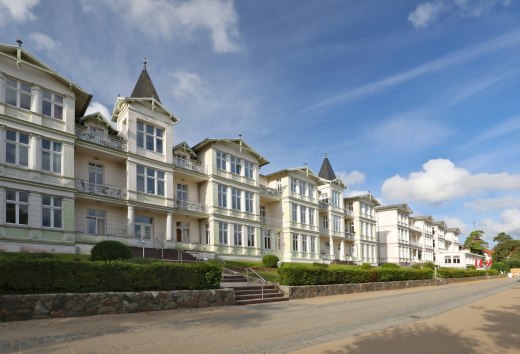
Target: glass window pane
pixel 149 142
pixel 91 226
pixel 10 213
pixel 10 96
pixel 46 144
pixel 147 232
pixel 10 194
pixel 160 187
pixel 150 186
pixel 57 218
pixel 150 172
pixel 23 197
pixel 159 132
pixel 11 82
pixel 23 214
pixel 57 202
pixel 56 166
pixel 140 183
pixel 91 212
pixel 46 161
pixel 47 95
pixel 46 200
pixel 140 140
pixel 46 217
pixel 23 138
pixel 10 135
pixel 58 98
pixel 24 156
pixel 25 101
pixel 101 227
pixel 58 111
pixel 57 147
pixel 138 231
pixel 46 108
pixel 140 126
pixel 149 129
pixel 159 144
pixel 24 87
pixel 140 169
pixel 10 153
pixel 160 174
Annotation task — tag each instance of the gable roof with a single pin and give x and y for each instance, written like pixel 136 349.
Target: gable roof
pixel 98 117
pixel 304 170
pixel 22 57
pixel 326 171
pixel 366 196
pixel 144 87
pixel 185 148
pixel 402 207
pixel 239 142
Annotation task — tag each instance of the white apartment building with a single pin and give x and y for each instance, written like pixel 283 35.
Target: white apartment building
pixel 360 218
pixel 394 234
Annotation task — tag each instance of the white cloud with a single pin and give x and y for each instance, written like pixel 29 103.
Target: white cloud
pixel 189 86
pixel 425 14
pixel 98 107
pixel 42 42
pixel 508 40
pixel 440 180
pixel 509 223
pixel 351 178
pixel 484 204
pixel 505 128
pixel 180 19
pixel 19 10
pixel 453 221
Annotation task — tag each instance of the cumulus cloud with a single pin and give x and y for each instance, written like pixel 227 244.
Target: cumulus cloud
pixel 17 10
pixel 98 107
pixel 427 13
pixel 351 178
pixel 440 180
pixel 42 42
pixel 485 204
pixel 180 19
pixel 453 221
pixel 189 86
pixel 509 223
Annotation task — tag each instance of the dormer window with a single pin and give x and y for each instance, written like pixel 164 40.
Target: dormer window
pixel 52 105
pixel 150 137
pixel 18 93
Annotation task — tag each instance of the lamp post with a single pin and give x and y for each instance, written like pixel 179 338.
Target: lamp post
pixel 142 242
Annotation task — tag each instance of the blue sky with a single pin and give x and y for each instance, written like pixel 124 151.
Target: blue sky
pixel 414 101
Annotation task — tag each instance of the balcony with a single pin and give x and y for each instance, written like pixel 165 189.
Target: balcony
pixel 189 206
pixel 271 192
pixel 110 141
pixel 104 190
pixel 349 212
pixel 190 165
pixel 323 205
pixel 350 235
pixel 270 221
pixel 415 244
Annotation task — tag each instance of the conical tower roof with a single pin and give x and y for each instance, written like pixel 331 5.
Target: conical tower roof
pixel 144 87
pixel 326 171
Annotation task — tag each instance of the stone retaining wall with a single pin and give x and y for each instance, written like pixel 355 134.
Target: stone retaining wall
pixel 301 292
pixel 25 307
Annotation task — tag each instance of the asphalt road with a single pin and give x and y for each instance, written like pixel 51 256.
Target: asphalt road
pixel 333 324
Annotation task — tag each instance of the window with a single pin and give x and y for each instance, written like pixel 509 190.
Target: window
pixel 295 242
pixel 183 231
pixel 52 214
pixel 267 239
pixel 237 235
pixel 236 165
pixel 447 259
pixel 325 222
pixel 250 236
pixel 150 137
pixel 236 198
pixel 143 227
pixel 18 93
pixel 304 243
pixel 95 173
pixel 51 156
pixel 336 223
pixel 262 214
pixel 311 216
pixel 248 169
pixel 222 195
pixel 16 207
pixel 294 212
pixel 313 244
pixel 303 187
pixel 335 199
pixel 182 192
pixel 221 160
pixel 352 227
pixel 456 259
pixel 52 105
pixel 223 233
pixel 311 190
pixel 150 180
pixel 249 196
pixel 279 184
pixel 17 148
pixel 207 234
pixel 303 214
pixel 96 222
pixel 294 183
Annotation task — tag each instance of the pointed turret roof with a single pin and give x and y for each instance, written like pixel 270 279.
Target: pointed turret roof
pixel 326 171
pixel 144 87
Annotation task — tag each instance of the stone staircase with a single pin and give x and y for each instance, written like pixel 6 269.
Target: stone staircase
pixel 247 294
pixel 166 254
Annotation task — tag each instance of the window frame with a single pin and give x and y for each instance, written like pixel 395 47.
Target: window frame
pixel 236 198
pixel 222 191
pixel 18 91
pixel 53 211
pixel 249 168
pixel 235 165
pixel 143 134
pixel 223 238
pixel 18 147
pixel 222 160
pixel 249 198
pixel 54 103
pixel 97 216
pixel 250 233
pixel 146 176
pixel 19 205
pixel 54 155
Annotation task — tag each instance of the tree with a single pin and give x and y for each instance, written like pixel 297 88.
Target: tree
pixel 475 242
pixel 506 247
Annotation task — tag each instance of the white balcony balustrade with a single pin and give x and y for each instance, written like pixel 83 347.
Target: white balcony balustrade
pixel 111 141
pixel 104 190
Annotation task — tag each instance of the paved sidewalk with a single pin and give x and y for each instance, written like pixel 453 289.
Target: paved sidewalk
pixel 488 326
pixel 487 322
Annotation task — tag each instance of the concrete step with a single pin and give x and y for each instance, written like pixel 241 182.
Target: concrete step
pixel 248 292
pixel 261 301
pixel 257 296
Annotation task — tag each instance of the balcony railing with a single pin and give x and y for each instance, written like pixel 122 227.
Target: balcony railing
pixel 190 165
pixel 323 205
pixel 270 191
pixel 350 235
pixel 189 206
pixel 270 221
pixel 349 212
pixel 415 244
pixel 110 141
pixel 104 190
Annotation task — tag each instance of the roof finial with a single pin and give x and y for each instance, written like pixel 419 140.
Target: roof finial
pixel 144 63
pixel 240 136
pixel 19 41
pixel 325 155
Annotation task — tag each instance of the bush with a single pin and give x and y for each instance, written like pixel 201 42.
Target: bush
pixel 501 267
pixel 390 266
pixel 365 266
pixel 32 276
pixel 417 266
pixel 471 267
pixel 429 265
pixel 110 251
pixel 464 273
pixel 291 274
pixel 270 261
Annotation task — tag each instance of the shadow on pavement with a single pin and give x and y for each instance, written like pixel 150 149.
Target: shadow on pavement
pixel 427 339
pixel 504 326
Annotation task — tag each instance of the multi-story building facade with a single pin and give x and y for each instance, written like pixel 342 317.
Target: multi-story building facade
pixel 394 234
pixel 361 225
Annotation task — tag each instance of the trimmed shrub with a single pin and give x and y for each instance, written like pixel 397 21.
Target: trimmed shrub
pixel 110 251
pixel 366 266
pixel 291 274
pixel 471 267
pixel 416 266
pixel 390 266
pixel 464 273
pixel 270 261
pixel 57 276
pixel 429 265
pixel 501 267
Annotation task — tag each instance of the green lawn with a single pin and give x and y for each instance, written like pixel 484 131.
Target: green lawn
pixel 269 274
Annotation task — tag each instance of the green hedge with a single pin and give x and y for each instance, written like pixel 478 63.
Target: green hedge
pixel 464 273
pixel 311 275
pixel 25 276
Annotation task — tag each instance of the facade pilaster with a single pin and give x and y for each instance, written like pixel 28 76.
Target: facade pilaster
pixel 35 162
pixel 130 229
pixel 36 99
pixel 169 226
